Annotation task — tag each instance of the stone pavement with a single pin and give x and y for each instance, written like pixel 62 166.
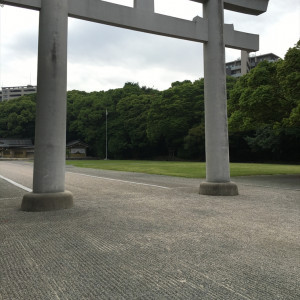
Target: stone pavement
pixel 127 241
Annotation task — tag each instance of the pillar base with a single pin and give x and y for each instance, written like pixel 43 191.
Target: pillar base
pixel 218 188
pixel 47 201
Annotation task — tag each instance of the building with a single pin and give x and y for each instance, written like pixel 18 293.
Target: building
pixel 23 148
pixel 9 93
pixel 16 148
pixel 76 149
pixel 243 65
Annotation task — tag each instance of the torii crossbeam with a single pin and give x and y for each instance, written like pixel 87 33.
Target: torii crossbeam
pixel 49 162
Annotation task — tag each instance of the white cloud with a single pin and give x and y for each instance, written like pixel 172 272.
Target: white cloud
pixel 283 34
pixel 143 56
pixel 109 77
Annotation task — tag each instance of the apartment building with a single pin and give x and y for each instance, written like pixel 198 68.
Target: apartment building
pixel 243 65
pixel 8 93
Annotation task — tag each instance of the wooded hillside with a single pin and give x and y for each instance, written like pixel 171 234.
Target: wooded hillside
pixel 263 112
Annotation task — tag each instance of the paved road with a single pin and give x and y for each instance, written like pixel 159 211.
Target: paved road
pixel 137 236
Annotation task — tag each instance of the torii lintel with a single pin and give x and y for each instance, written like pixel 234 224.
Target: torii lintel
pixel 145 20
pixel 251 7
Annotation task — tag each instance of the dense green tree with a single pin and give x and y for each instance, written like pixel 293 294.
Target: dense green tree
pixel 194 143
pixel 17 117
pixel 264 109
pixel 127 126
pixel 86 118
pixel 256 100
pixel 172 115
pixel 289 75
pixel 133 112
pixel 127 109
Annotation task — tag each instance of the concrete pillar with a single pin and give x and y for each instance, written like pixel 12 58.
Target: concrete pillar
pixel 245 66
pixel 147 5
pixel 50 133
pixel 216 131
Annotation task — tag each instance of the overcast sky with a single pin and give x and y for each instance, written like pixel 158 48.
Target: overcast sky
pixel 102 57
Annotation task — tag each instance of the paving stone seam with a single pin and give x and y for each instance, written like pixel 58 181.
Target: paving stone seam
pixel 119 180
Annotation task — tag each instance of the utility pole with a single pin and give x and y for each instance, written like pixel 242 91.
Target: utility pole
pixel 106 113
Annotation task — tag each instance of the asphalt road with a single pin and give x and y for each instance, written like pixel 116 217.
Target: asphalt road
pixel 138 236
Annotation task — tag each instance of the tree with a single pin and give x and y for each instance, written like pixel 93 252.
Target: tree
pixel 133 112
pixel 289 75
pixel 256 100
pixel 194 143
pixel 17 117
pixel 173 113
pixel 127 110
pixel 264 109
pixel 86 119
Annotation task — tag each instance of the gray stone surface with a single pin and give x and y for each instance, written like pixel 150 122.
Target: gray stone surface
pixel 124 240
pixel 147 5
pixel 50 138
pixel 253 7
pixel 50 132
pixel 47 201
pixel 215 104
pixel 218 189
pixel 289 182
pixel 141 20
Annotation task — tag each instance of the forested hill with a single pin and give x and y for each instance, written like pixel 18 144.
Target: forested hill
pixel 263 111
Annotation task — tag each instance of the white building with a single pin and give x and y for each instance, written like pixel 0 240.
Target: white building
pixel 9 93
pixel 243 65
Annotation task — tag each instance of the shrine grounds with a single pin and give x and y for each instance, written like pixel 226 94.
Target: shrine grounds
pixel 142 236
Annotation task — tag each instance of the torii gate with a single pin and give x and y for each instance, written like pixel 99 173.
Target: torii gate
pixel 50 137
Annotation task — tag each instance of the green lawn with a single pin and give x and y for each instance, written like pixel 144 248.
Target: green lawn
pixel 183 169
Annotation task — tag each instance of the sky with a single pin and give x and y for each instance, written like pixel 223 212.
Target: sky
pixel 102 57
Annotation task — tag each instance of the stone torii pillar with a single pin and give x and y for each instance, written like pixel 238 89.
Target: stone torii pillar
pixel 50 133
pixel 215 96
pixel 215 104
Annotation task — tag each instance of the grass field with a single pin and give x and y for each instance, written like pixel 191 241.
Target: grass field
pixel 183 169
